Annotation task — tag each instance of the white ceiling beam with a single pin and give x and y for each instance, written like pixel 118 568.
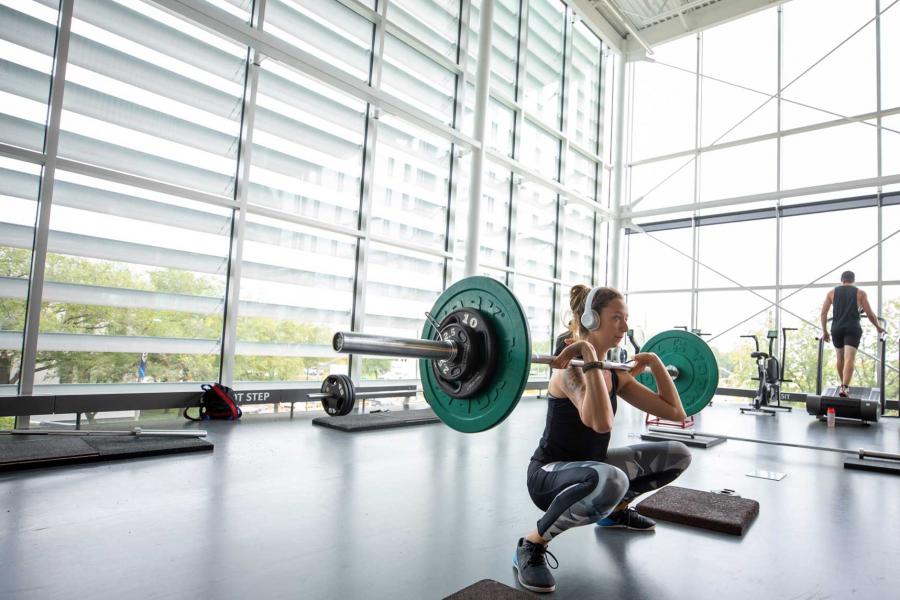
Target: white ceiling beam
pixel 693 21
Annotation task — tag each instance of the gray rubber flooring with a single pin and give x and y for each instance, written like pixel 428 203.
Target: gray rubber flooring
pixel 283 509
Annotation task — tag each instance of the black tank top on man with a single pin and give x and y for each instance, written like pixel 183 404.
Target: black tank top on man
pixel 566 438
pixel 846 310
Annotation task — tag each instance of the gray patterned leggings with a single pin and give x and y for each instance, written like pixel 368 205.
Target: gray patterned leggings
pixel 577 493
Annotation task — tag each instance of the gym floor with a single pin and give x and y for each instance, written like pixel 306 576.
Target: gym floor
pixel 285 509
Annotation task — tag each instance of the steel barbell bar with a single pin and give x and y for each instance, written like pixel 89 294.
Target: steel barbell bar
pixel 346 342
pixel 134 432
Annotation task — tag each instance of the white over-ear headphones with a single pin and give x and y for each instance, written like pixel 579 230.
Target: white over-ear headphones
pixel 590 320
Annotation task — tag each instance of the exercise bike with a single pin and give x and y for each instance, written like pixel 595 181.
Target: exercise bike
pixel 770 374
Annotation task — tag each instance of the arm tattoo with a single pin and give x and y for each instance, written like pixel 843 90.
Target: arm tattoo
pixel 573 380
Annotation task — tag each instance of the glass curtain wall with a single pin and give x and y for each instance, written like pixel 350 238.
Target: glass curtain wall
pixel 228 193
pixel 773 186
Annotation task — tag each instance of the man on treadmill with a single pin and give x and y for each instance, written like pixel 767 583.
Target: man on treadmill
pixel 845 328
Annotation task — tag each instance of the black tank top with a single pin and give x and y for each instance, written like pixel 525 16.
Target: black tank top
pixel 566 437
pixel 846 311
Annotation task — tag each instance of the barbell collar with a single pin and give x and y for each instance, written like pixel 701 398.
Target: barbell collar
pixel 379 345
pixel 863 453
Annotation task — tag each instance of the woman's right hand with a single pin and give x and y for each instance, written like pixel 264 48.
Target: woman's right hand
pixel 573 350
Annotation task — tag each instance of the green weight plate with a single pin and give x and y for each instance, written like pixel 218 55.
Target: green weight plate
pixel 698 371
pixel 501 393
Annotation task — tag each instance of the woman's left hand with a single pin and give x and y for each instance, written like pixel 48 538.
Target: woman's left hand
pixel 572 350
pixel 642 361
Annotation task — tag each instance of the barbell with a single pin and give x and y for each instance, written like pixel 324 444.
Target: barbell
pixel 861 453
pixel 475 358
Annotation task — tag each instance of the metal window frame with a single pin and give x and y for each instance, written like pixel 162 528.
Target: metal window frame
pixel 361 276
pixel 239 214
pixel 457 154
pixel 45 203
pixel 695 234
pixel 562 168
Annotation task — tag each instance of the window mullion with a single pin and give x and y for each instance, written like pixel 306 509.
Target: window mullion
pixel 45 202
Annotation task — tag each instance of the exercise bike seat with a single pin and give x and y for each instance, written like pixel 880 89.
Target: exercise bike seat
pixel 758 355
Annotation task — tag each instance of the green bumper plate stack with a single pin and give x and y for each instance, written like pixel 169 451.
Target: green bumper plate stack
pixel 502 392
pixel 698 371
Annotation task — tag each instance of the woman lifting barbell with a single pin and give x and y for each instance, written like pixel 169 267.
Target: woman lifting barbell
pixel 573 476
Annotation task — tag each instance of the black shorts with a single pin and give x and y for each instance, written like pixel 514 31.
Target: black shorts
pixel 846 337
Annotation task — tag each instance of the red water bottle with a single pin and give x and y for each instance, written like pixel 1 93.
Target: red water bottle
pixel 830 417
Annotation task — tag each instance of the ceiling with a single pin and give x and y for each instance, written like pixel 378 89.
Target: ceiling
pixel 636 26
pixel 646 13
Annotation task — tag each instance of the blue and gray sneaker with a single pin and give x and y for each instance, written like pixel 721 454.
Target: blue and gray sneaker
pixel 531 564
pixel 628 519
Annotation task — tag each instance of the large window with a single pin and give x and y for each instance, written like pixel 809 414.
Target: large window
pixel 820 157
pixel 813 28
pixel 537 300
pixel 296 291
pixel 584 88
pixel 736 82
pixel 654 265
pixel 776 176
pixel 220 195
pixel 648 314
pixel 751 168
pixel 19 184
pixel 578 244
pixel 536 231
pixel 810 252
pixel 665 122
pixel 402 286
pixel 726 316
pixel 412 172
pixel 891 246
pixel 822 139
pixel 543 70
pixel 307 148
pixel 327 30
pixel 890 57
pixel 662 183
pixel 744 251
pixel 28 40
pixel 436 23
pixel 410 74
pixel 138 276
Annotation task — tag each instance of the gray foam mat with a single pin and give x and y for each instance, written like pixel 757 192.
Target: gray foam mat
pixel 382 420
pixel 488 589
pixel 718 512
pixel 19 452
pixel 16 449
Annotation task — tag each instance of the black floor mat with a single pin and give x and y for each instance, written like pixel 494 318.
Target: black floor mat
pixel 382 420
pixel 718 512
pixel 488 589
pixel 872 464
pixel 19 452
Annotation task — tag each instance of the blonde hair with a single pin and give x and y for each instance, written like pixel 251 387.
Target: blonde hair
pixel 577 296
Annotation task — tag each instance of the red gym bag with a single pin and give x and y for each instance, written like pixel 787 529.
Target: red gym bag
pixel 217 402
